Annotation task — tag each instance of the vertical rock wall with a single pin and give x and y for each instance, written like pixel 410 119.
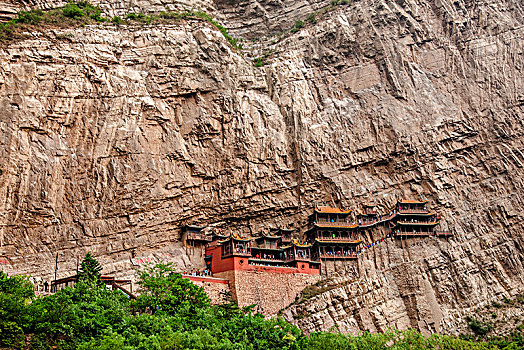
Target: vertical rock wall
pixel 112 138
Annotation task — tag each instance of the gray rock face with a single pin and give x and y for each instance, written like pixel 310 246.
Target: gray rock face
pixel 111 138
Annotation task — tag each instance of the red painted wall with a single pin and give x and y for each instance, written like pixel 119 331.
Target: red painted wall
pixel 241 263
pixel 206 279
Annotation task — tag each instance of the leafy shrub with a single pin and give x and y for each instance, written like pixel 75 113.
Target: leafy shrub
pixel 11 335
pixel 478 327
pixel 163 290
pixel 339 2
pixel 311 18
pixel 496 305
pixel 15 293
pixel 116 20
pixel 72 10
pixel 258 62
pixel 298 25
pixel 91 11
pixel 135 16
pixel 29 17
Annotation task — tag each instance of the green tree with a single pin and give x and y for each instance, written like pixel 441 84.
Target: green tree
pixel 90 271
pixel 16 293
pixel 164 290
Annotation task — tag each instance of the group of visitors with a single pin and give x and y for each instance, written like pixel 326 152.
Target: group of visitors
pixel 205 273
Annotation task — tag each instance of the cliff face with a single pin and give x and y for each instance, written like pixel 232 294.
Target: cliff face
pixel 111 138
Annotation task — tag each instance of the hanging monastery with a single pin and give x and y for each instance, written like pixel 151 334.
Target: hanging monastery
pixel 272 269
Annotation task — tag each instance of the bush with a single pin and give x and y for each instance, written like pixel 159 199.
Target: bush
pixel 258 62
pixel 29 17
pixel 11 335
pixel 15 293
pixel 163 290
pixel 135 16
pixel 116 20
pixel 478 327
pixel 173 313
pixel 298 24
pixel 72 10
pixel 496 305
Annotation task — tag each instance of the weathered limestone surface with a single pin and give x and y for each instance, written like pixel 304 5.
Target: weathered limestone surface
pixel 111 138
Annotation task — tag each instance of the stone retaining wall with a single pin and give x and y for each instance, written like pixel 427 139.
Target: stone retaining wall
pixel 271 291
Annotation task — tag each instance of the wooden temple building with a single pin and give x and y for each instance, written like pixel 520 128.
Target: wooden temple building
pixel 194 235
pixel 413 219
pixel 332 234
pixel 368 217
pixel 264 251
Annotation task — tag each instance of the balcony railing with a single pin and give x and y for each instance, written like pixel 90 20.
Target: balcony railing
pixel 339 256
pixel 297 258
pixel 237 252
pixel 268 260
pixel 413 211
pixel 417 222
pixel 198 237
pixel 334 224
pixel 413 234
pixel 331 238
pixel 443 233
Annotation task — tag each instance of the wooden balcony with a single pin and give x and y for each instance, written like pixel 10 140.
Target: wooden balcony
pixel 413 234
pixel 417 223
pixel 297 258
pixel 341 256
pixel 242 253
pixel 338 240
pixel 277 261
pixel 193 236
pixel 413 211
pixel 335 224
pixel 443 233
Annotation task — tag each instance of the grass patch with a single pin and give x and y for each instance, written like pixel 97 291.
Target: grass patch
pixel 262 60
pixel 76 14
pixel 71 15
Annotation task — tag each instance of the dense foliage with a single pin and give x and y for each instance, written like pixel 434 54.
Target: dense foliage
pixel 171 313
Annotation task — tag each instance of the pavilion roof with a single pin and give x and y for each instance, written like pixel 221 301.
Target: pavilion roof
pixel 331 210
pixel 236 237
pixel 410 201
pixel 335 224
pixel 356 241
pixel 301 245
pixel 267 237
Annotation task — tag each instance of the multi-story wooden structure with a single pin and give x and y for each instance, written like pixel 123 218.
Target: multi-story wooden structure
pixel 368 217
pixel 332 234
pixel 412 218
pixel 267 251
pixel 286 234
pixel 194 235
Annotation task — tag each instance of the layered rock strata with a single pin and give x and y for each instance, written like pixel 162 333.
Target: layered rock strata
pixel 111 138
